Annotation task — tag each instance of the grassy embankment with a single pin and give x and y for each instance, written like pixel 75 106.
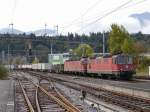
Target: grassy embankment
pixel 3 72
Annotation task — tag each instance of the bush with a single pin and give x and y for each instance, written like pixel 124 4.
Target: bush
pixel 3 72
pixel 142 67
pixel 144 62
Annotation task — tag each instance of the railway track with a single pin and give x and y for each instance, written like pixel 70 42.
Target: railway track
pixel 22 102
pixel 123 100
pixel 142 77
pixel 44 97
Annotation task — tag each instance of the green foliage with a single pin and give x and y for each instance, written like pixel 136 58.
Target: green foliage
pixel 138 48
pixel 144 62
pixel 19 60
pixel 3 72
pixel 128 47
pixel 83 50
pixel 41 52
pixel 36 60
pixel 143 65
pixel 121 42
pixel 118 36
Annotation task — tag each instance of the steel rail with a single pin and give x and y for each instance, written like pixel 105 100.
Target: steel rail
pixel 65 100
pixel 26 98
pixel 37 101
pixel 67 107
pixel 62 101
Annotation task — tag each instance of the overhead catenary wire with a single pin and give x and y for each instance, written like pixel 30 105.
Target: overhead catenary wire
pixel 87 10
pixel 135 4
pixel 128 6
pixel 79 18
pixel 108 12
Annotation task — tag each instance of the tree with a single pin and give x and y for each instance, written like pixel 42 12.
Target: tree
pixel 83 50
pixel 128 47
pixel 19 60
pixel 139 48
pixel 117 36
pixel 35 60
pixel 42 52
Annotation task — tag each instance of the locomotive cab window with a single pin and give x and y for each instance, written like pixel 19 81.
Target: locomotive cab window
pixel 123 60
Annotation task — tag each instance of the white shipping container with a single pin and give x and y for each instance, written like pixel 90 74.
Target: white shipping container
pixel 34 66
pixel 39 66
pixel 45 66
pixel 9 67
pixel 24 66
pixel 19 66
pixel 149 70
pixel 30 66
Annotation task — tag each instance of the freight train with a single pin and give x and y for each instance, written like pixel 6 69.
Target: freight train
pixel 114 67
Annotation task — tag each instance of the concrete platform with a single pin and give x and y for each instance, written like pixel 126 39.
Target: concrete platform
pixel 6 96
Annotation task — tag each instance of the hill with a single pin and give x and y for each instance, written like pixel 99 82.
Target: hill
pixel 8 30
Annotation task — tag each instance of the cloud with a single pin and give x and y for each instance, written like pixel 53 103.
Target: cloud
pixel 142 18
pixel 131 24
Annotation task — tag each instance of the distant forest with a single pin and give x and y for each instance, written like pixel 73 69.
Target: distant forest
pixel 41 45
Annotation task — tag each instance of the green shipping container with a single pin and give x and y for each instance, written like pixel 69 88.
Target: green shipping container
pixel 55 59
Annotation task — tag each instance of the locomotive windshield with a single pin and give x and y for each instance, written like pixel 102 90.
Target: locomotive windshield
pixel 122 59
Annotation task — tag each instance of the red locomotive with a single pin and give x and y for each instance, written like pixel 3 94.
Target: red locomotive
pixel 118 66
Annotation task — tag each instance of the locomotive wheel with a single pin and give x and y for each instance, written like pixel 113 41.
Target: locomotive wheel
pixel 104 76
pixel 126 75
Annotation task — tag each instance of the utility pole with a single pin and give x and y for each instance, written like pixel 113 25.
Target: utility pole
pixel 3 57
pixel 11 26
pixel 82 18
pixel 8 58
pixel 45 30
pixel 52 39
pixel 56 30
pixel 103 43
pixel 51 48
pixel 51 42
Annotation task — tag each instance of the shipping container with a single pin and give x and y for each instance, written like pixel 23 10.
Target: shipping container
pixel 45 66
pixel 55 59
pixel 34 66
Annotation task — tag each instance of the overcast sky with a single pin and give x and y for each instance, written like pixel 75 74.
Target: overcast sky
pixel 71 15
